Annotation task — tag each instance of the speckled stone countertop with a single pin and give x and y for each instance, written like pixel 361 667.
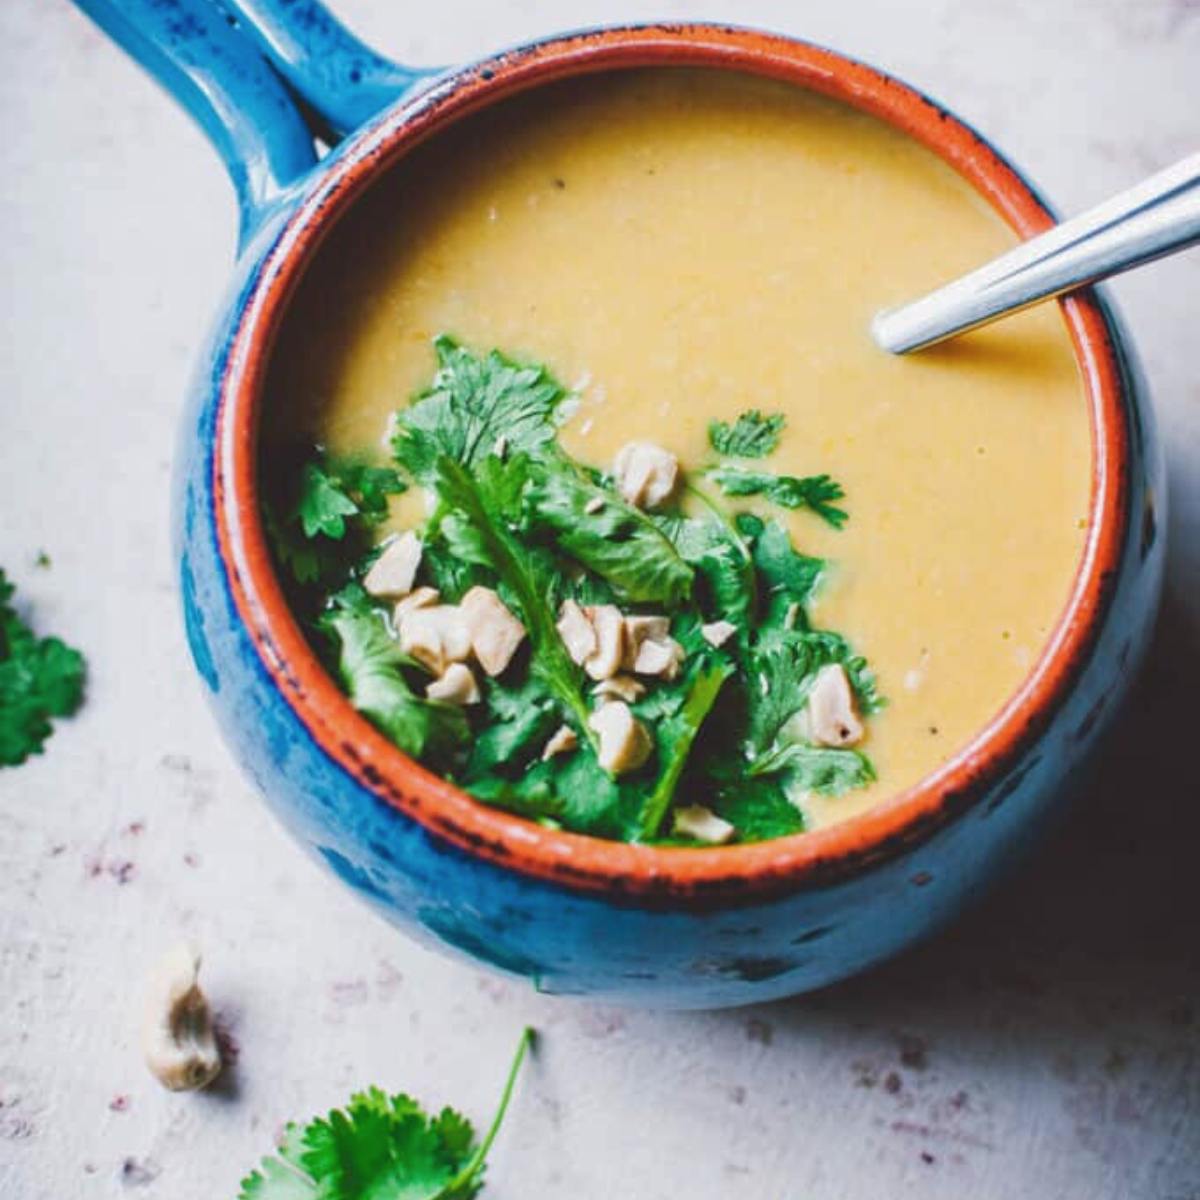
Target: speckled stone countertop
pixel 1048 1046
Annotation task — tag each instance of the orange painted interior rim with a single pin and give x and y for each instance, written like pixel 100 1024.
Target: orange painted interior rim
pixel 618 870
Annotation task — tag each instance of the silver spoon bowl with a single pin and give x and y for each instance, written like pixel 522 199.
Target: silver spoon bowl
pixel 1159 216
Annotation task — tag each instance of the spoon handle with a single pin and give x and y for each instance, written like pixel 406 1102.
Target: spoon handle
pixel 1157 217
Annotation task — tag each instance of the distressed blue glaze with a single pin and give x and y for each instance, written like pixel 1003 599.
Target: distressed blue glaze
pixel 575 943
pixel 341 79
pixel 223 83
pixel 568 943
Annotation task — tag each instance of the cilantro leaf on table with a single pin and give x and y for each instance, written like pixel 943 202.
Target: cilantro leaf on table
pixel 815 492
pixel 752 435
pixel 609 537
pixel 370 666
pixel 381 1147
pixel 472 404
pixel 40 678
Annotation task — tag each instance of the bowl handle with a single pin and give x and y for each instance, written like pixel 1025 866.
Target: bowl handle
pixel 342 80
pixel 222 81
pixel 210 57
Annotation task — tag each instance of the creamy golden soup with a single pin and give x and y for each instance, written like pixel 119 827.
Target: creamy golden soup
pixel 681 245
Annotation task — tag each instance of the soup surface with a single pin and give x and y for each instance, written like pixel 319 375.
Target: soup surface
pixel 683 245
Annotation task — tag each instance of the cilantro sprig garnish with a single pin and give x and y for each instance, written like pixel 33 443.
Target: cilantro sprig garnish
pixel 510 510
pixel 40 678
pixel 381 1147
pixel 317 506
pixel 815 492
pixel 752 435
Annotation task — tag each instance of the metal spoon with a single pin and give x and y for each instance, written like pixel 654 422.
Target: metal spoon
pixel 1153 219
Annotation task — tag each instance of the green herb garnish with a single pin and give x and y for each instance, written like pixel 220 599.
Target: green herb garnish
pixel 317 505
pixel 381 1147
pixel 752 435
pixel 815 492
pixel 372 670
pixel 511 511
pixel 40 678
pixel 476 407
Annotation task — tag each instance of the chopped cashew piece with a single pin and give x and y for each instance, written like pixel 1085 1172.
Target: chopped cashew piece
pixel 495 632
pixel 646 629
pixel 624 742
pixel 623 687
pixel 653 658
pixel 456 685
pixel 645 474
pixel 577 632
pixel 717 633
pixel 594 505
pixel 178 1042
pixel 659 658
pixel 422 597
pixel 562 741
pixel 391 575
pixel 696 821
pixel 832 718
pixel 609 625
pixel 436 636
pixel 649 648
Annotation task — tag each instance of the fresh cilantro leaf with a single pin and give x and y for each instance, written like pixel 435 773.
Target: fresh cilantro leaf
pixel 473 404
pixel 518 720
pixel 323 505
pixel 783 668
pixel 381 1147
pixel 371 486
pixel 311 512
pixel 789 577
pixel 574 583
pixel 675 736
pixel 308 561
pixel 758 808
pixel 829 647
pixel 40 678
pixel 370 666
pixel 752 435
pixel 531 794
pixel 585 797
pixel 815 492
pixel 451 575
pixel 808 768
pixel 723 562
pixel 616 541
pixel 483 536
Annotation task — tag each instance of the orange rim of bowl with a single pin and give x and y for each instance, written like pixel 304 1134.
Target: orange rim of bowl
pixel 649 875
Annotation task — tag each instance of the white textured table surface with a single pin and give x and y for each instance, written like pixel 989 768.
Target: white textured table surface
pixel 1049 1046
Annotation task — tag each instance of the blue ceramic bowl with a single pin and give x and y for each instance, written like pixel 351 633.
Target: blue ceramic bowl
pixel 673 927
